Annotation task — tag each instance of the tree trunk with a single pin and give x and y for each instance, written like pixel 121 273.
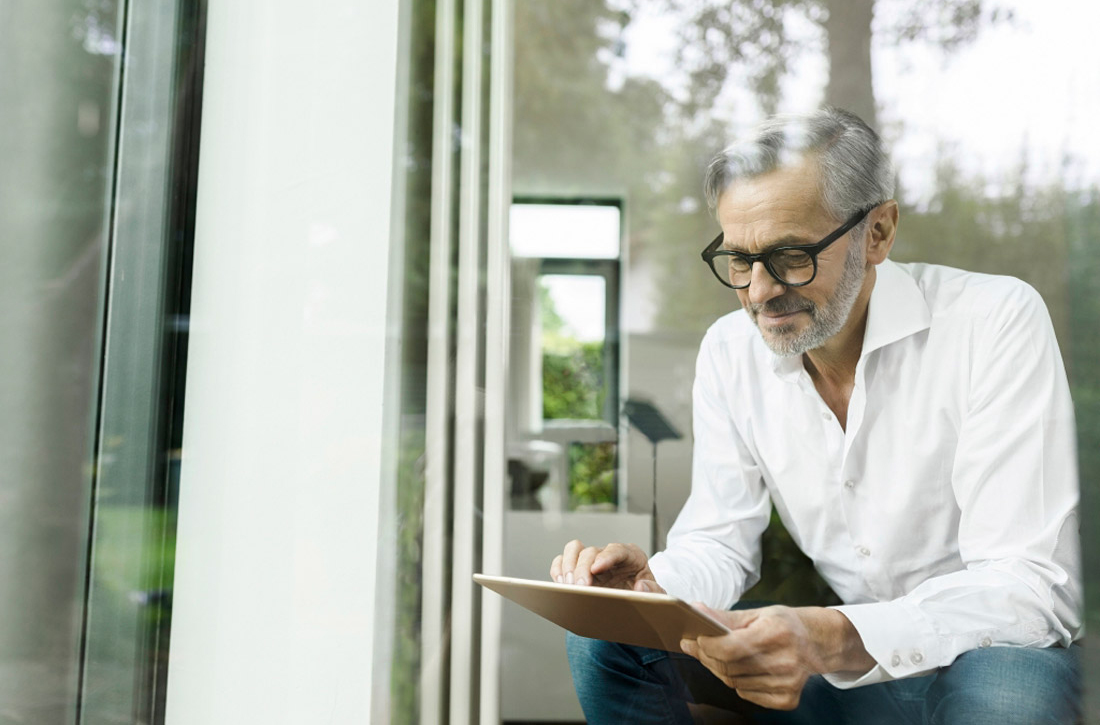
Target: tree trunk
pixel 848 38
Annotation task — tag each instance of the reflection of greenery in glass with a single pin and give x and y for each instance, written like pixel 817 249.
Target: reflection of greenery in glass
pixel 572 371
pixel 404 704
pixel 573 389
pixel 1082 221
pixel 126 529
pixel 572 383
pixel 405 682
pixel 591 474
pixel 787 575
pixel 566 94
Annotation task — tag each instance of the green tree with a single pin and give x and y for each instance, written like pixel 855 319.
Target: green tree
pixel 751 42
pixel 574 132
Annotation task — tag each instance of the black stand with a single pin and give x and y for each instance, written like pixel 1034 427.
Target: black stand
pixel 656 428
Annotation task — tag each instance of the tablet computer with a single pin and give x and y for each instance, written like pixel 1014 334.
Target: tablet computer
pixel 616 615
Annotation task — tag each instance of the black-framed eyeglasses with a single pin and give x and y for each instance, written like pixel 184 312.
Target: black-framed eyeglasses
pixel 794 266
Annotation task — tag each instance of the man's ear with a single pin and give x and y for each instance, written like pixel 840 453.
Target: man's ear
pixel 884 225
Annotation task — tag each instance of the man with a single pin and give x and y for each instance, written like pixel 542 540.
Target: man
pixel 912 426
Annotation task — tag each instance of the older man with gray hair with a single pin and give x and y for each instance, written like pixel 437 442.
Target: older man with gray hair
pixel 912 426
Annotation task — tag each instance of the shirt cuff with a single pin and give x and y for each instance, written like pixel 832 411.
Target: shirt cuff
pixel 897 635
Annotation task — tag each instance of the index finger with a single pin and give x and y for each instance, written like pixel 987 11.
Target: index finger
pixel 615 554
pixel 569 561
pixel 555 569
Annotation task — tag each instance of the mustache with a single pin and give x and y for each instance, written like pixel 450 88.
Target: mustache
pixel 782 306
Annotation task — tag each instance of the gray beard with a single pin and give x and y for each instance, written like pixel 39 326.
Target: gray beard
pixel 825 321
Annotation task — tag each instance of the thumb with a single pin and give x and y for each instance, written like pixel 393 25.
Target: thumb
pixel 645 585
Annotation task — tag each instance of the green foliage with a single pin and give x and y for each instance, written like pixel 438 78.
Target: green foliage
pixel 572 382
pixel 575 131
pixel 405 677
pixel 1082 225
pixel 592 474
pixel 405 665
pixel 573 389
pixel 552 323
pixel 126 529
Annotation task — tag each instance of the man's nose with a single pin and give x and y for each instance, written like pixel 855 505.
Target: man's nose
pixel 763 286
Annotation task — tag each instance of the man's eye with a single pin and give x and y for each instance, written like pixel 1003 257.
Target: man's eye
pixel 738 264
pixel 791 258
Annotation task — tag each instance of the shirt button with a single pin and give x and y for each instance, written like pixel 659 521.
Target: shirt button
pixel 864 551
pixel 849 484
pixel 917 657
pixel 895 660
pixel 986 641
pixel 826 416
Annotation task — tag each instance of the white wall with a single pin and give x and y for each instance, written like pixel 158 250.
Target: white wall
pixel 284 428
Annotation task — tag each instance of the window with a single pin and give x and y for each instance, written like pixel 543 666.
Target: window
pixel 569 250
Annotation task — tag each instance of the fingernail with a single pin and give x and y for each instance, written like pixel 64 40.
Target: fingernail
pixel 558 578
pixel 569 578
pixel 582 581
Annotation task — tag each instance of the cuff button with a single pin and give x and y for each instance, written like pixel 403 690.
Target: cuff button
pixel 917 658
pixel 986 641
pixel 895 660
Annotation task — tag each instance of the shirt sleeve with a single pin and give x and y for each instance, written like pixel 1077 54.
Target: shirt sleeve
pixel 1014 478
pixel 713 550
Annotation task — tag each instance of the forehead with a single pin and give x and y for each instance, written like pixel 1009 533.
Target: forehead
pixel 783 203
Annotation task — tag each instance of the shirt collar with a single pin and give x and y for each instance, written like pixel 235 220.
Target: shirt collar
pixel 897 310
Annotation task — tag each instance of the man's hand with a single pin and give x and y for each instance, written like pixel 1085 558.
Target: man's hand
pixel 617 566
pixel 771 652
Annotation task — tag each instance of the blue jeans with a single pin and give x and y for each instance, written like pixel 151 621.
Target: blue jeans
pixel 996 686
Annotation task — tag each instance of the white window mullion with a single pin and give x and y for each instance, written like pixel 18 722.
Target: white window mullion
pixel 433 667
pixel 496 345
pixel 467 413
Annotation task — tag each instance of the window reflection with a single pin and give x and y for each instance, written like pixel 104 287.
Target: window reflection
pixel 997 171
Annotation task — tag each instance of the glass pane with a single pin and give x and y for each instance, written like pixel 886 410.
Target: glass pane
pixel 997 165
pixel 573 346
pixel 91 448
pixel 132 584
pixel 57 95
pixel 565 230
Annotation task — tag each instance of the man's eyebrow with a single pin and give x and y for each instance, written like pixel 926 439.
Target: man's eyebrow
pixel 789 240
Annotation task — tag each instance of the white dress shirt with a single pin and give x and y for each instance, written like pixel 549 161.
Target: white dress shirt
pixel 944 516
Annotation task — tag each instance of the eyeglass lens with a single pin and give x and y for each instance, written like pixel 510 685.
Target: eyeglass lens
pixel 792 266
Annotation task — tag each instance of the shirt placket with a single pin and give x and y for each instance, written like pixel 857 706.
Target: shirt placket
pixel 845 474
pixel 854 500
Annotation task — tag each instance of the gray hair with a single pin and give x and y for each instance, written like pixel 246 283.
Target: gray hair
pixel 855 171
